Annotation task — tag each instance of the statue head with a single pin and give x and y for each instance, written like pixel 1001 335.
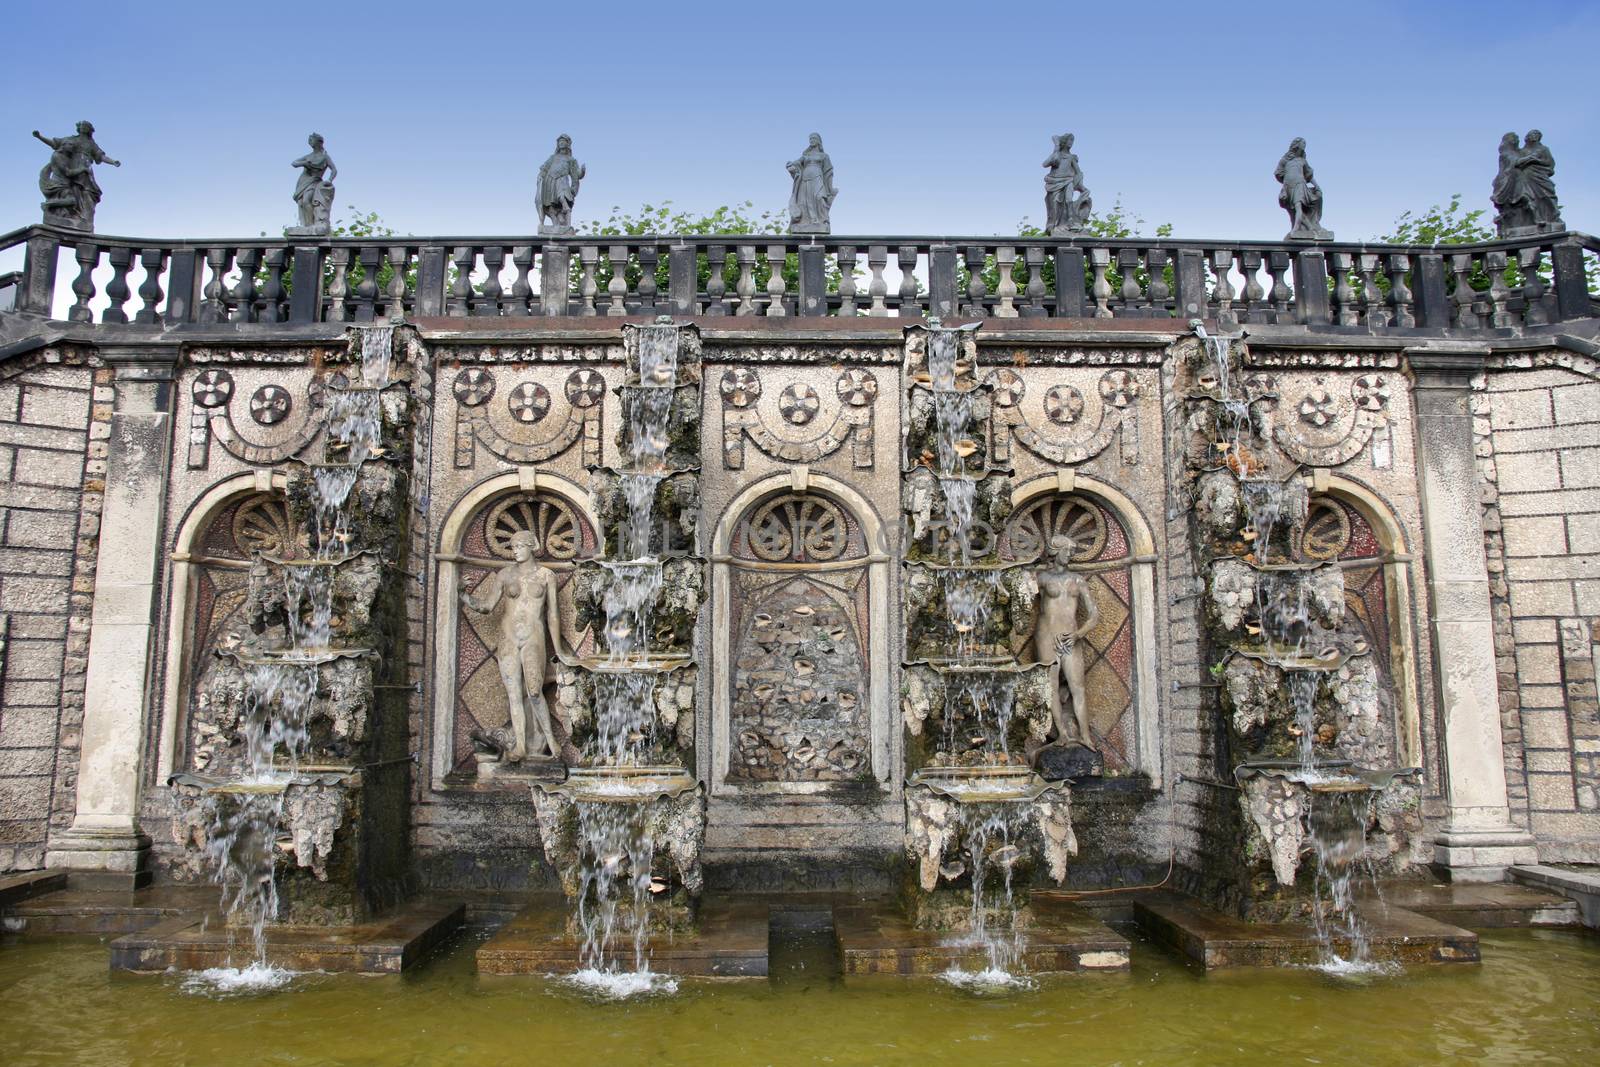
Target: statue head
pixel 1508 141
pixel 563 143
pixel 1298 146
pixel 524 543
pixel 315 140
pixel 816 140
pixel 1066 141
pixel 86 128
pixel 1534 137
pixel 1062 549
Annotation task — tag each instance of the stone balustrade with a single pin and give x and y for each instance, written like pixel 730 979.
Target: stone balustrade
pixel 1496 284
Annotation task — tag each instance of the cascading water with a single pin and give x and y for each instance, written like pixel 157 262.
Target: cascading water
pixel 1337 804
pixel 246 813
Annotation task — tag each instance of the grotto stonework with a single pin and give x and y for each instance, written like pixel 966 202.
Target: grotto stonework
pixel 906 569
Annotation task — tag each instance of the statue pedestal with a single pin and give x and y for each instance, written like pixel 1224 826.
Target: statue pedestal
pixel 1057 762
pixel 529 770
pixel 810 227
pixel 320 230
pixel 546 230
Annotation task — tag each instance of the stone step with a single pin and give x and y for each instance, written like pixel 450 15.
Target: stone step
pixel 729 940
pixel 1484 905
pixel 1579 885
pixel 1213 939
pixel 23 885
pixel 107 912
pixel 876 938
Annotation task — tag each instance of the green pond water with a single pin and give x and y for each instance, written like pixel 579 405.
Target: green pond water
pixel 1534 1000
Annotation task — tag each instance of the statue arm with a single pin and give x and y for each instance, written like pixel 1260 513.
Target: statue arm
pixel 302 161
pixel 485 603
pixel 333 171
pixel 51 141
pixel 1091 614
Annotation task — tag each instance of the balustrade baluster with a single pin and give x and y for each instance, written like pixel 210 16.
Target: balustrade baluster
pixel 1100 288
pixel 847 282
pixel 367 290
pixel 1159 291
pixel 1345 311
pixel 588 287
pixel 1255 297
pixel 906 255
pixel 1534 310
pixel 339 284
pixel 214 308
pixel 399 262
pixel 1128 266
pixel 1035 289
pixel 460 303
pixel 269 301
pixel 649 287
pixel 1221 267
pixel 1277 267
pixel 1466 316
pixel 877 287
pixel 1499 291
pixel 716 280
pixel 244 292
pixel 746 285
pixel 617 287
pixel 153 260
pixel 776 286
pixel 977 289
pixel 1399 292
pixel 1005 258
pixel 488 301
pixel 88 257
pixel 522 284
pixel 117 288
pixel 1373 312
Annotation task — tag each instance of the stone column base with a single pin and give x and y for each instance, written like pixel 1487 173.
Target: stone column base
pixel 100 858
pixel 1482 855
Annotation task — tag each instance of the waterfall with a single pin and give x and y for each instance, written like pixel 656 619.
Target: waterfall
pixel 245 814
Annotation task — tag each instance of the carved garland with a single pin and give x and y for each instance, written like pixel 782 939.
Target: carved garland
pixel 1064 406
pixel 741 388
pixel 528 403
pixel 212 416
pixel 1307 437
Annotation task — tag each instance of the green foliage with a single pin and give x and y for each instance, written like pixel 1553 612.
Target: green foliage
pixel 1446 225
pixel 665 220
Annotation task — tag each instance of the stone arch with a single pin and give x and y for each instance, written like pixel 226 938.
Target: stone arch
pixel 1139 602
pixel 1392 563
pixel 461 559
pixel 191 584
pixel 829 593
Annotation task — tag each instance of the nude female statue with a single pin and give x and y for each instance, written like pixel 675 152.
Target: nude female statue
pixel 530 636
pixel 1064 599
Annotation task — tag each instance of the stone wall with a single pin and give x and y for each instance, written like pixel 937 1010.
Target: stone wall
pixel 55 413
pixel 1538 432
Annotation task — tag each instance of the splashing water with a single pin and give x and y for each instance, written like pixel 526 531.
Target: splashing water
pixel 617 854
pixel 629 599
pixel 982 702
pixel 639 492
pixel 968 602
pixel 238 981
pixel 988 830
pixel 1338 824
pixel 624 718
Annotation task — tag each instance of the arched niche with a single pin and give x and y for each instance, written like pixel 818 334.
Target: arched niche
pixel 1351 524
pixel 209 579
pixel 799 648
pixel 1117 554
pixel 473 543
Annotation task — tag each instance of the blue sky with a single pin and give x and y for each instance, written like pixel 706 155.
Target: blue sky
pixel 937 116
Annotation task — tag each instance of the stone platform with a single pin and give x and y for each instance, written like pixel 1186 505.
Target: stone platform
pixel 877 939
pixel 730 942
pixel 388 945
pixel 105 912
pixel 1215 940
pixel 1484 905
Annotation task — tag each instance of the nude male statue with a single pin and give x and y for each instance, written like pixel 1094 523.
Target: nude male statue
pixel 1064 598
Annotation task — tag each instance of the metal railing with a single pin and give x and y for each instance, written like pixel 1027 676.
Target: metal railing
pixel 159 283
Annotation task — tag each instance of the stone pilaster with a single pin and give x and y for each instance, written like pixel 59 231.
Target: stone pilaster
pixel 1478 841
pixel 104 839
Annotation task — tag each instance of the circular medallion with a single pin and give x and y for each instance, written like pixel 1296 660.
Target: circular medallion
pixel 270 405
pixel 857 387
pixel 585 388
pixel 740 387
pixel 1118 388
pixel 213 388
pixel 474 386
pixel 1063 405
pixel 1318 408
pixel 528 402
pixel 1371 392
pixel 1008 387
pixel 798 404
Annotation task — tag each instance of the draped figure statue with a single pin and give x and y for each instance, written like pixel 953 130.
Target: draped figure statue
pixel 1300 195
pixel 1524 190
pixel 313 193
pixel 811 197
pixel 1066 199
pixel 67 181
pixel 558 189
